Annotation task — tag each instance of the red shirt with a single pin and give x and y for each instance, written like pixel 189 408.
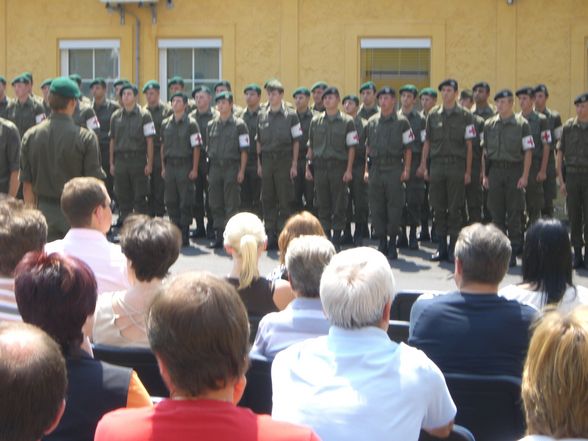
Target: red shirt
pixel 204 420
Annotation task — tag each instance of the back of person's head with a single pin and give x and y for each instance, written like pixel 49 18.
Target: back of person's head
pixel 555 376
pixel 547 259
pixel 300 224
pixel 57 293
pixel 355 288
pixel 152 245
pixel 306 259
pixel 33 383
pixel 484 253
pixel 80 198
pixel 198 327
pixel 245 234
pixel 22 230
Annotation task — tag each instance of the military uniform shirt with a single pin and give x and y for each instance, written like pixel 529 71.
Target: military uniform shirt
pixel 448 130
pixel 574 143
pixel 331 136
pixel 417 124
pixel 484 112
pixel 9 152
pixel 3 107
pixel 158 114
pixel 276 131
pixel 181 137
pixel 227 139
pixel 84 116
pixel 25 115
pixel 507 140
pixel 539 131
pixel 104 112
pixel 305 120
pixel 360 126
pixel 554 124
pixel 366 113
pixel 131 129
pixel 203 119
pixel 251 118
pixel 388 136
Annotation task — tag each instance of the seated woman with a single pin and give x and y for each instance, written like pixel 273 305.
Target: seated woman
pixel 547 269
pixel 555 377
pixel 151 246
pixel 58 294
pixel 244 241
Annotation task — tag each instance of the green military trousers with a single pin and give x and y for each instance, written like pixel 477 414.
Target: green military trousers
pixel 447 194
pixel 387 198
pixel 57 225
pixel 179 190
pixel 331 193
pixel 277 190
pixel 224 191
pixel 131 186
pixel 577 201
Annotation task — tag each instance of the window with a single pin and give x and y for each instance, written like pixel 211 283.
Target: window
pixel 197 61
pixel 91 59
pixel 396 61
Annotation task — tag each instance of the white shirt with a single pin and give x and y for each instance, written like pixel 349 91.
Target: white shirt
pixel 303 318
pixel 548 438
pixel 8 308
pixel 359 385
pixel 104 258
pixel 572 297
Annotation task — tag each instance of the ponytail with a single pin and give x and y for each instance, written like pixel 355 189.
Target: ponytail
pixel 248 250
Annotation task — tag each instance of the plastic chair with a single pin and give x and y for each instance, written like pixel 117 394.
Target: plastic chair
pixel 459 433
pixel 402 304
pixel 398 331
pixel 258 391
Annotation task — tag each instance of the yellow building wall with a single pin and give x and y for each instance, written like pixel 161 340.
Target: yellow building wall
pixel 302 41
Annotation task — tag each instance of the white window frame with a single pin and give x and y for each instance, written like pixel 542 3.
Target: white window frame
pixel 185 43
pixel 395 43
pixel 66 45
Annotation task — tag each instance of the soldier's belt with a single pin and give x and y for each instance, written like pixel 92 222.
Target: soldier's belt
pixel 385 160
pixel 223 162
pixel 326 162
pixel 447 159
pixel 276 155
pixel 576 168
pixel 179 161
pixel 505 164
pixel 129 154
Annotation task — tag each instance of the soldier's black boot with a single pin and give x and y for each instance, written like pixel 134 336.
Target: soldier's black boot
pixel 185 236
pixel 200 230
pixel 358 235
pixel 424 235
pixel 383 246
pixel 451 250
pixel 347 237
pixel 209 230
pixel 392 251
pixel 217 242
pixel 402 239
pixel 434 236
pixel 513 260
pixel 413 243
pixel 578 261
pixel 272 241
pixel 336 240
pixel 441 253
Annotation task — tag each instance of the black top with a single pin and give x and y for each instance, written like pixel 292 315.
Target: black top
pixel 258 297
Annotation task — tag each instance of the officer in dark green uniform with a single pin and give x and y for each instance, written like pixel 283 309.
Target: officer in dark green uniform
pixel 369 105
pixel 331 151
pixel 541 138
pixel 24 111
pixel 449 133
pixel 508 145
pixel 4 100
pixel 45 90
pixel 54 152
pixel 228 144
pixel 251 186
pixel 317 91
pixel 104 108
pixel 180 154
pixel 573 152
pixel 131 153
pixel 303 188
pixel 555 127
pixel 278 135
pixel 158 111
pixel 9 157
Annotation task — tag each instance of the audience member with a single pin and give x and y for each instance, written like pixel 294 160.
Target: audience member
pixel 245 240
pixel 33 383
pixel 547 269
pixel 303 318
pixel 473 330
pixel 555 378
pixel 204 371
pixel 58 294
pixel 356 383
pixel 86 206
pixel 151 246
pixel 22 230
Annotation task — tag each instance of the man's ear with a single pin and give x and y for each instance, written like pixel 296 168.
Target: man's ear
pixel 239 389
pixel 57 419
pixel 164 373
pixel 385 320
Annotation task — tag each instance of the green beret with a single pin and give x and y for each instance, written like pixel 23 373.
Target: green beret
pixel 428 91
pixel 319 85
pixel 65 87
pixel 252 87
pixel 466 94
pixel 267 82
pixel 504 93
pixel 330 91
pixel 2 80
pixel 275 85
pixel 367 85
pixel 199 89
pixel 225 95
pixel 126 86
pixel 175 80
pixel 120 82
pixel 181 95
pixel 46 83
pixel 29 75
pixel 541 88
pixel 581 98
pixel 224 83
pixel 482 85
pixel 448 82
pixel 98 81
pixel 300 90
pixel 386 91
pixel 76 77
pixel 409 88
pixel 353 98
pixel 526 90
pixel 151 84
pixel 20 79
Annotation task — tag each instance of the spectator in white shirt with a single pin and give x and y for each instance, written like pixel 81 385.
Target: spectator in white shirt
pixel 86 206
pixel 303 318
pixel 355 383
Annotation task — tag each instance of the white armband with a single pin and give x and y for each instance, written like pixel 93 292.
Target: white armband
pixel 546 136
pixel 482 138
pixel 40 118
pixel 423 135
pixel 244 140
pixel 296 131
pixel 528 143
pixel 93 123
pixel 470 132
pixel 557 132
pixel 352 138
pixel 195 139
pixel 407 137
pixel 149 129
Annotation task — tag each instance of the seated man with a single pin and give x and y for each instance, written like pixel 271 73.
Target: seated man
pixel 86 206
pixel 355 383
pixel 33 382
pixel 204 371
pixel 473 330
pixel 303 318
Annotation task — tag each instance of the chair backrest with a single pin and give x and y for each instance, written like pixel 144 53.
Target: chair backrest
pixel 459 433
pixel 258 392
pixel 141 360
pixel 488 405
pixel 402 303
pixel 398 331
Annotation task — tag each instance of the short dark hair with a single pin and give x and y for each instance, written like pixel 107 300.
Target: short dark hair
pixel 56 293
pixel 22 229
pixel 58 102
pixel 33 382
pixel 79 199
pixel 151 244
pixel 547 259
pixel 199 328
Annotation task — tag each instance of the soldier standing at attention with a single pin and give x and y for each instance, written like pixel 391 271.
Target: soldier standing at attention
pixel 118 84
pixel 541 138
pixel 278 134
pixel 303 188
pixel 78 79
pixel 84 115
pixel 450 130
pixel 251 186
pixel 45 91
pixel 24 111
pixel 176 85
pixel 369 105
pixel 228 144
pixel 225 86
pixel 555 127
pixel 180 153
pixel 9 157
pixel 317 91
pixel 508 145
pixel 4 100
pixel 131 153
pixel 158 111
pixel 331 152
pixel 573 151
pixel 54 152
pixel 481 93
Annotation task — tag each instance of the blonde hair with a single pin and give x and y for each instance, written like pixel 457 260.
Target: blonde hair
pixel 245 233
pixel 300 224
pixel 555 377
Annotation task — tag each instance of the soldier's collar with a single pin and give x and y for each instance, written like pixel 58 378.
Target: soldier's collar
pixel 392 116
pixel 510 120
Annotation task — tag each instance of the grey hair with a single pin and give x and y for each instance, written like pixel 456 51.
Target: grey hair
pixel 355 287
pixel 306 258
